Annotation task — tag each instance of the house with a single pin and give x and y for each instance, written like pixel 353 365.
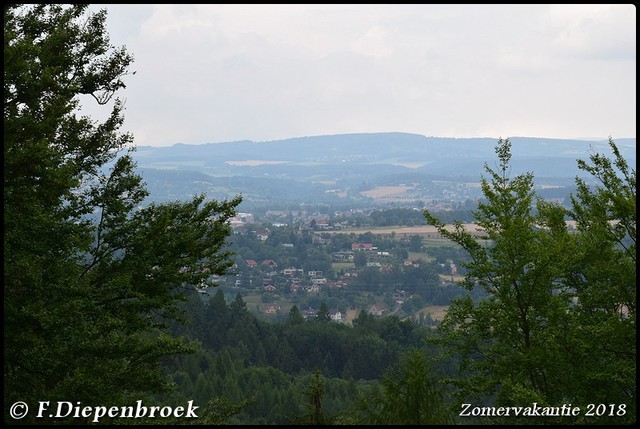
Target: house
pixel 236 223
pixel 399 296
pixel 309 313
pixel 263 234
pixel 376 310
pixel 316 239
pixel 293 271
pixel 269 263
pixel 338 284
pixel 272 309
pixel 343 256
pixel 269 288
pixel 335 315
pixel 351 273
pixel 243 217
pixel 362 247
pixel 322 224
pixel 251 263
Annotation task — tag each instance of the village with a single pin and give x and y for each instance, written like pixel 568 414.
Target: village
pixel 408 271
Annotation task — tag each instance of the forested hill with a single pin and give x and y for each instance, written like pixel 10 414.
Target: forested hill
pixel 340 169
pixel 397 152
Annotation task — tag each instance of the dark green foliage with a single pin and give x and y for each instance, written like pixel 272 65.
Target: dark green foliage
pixel 410 395
pixel 360 259
pixel 323 315
pixel 219 411
pixel 558 323
pixel 348 357
pixel 314 394
pixel 295 317
pixel 92 275
pixel 601 266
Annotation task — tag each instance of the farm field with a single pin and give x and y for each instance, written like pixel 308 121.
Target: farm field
pixel 451 277
pixel 254 302
pixel 422 256
pixel 337 266
pixel 437 311
pixel 425 231
pixel 391 193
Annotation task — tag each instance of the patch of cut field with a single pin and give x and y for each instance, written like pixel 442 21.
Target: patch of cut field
pixel 437 311
pixel 451 277
pixel 254 162
pixel 422 256
pixel 410 164
pixel 386 191
pixel 350 315
pixel 427 231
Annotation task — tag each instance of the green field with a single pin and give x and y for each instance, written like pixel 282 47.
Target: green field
pixel 422 256
pixel 337 266
pixel 254 301
pixel 437 312
pixel 438 242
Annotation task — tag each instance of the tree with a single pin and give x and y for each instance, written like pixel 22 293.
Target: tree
pixel 220 409
pixel 92 275
pixel 314 393
pixel 415 243
pixel 411 395
pixel 323 315
pixel 359 259
pixel 507 342
pixel 294 318
pixel 528 341
pixel 216 322
pixel 601 266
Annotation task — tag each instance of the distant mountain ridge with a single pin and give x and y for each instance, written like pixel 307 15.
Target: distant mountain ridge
pixel 348 160
pixel 379 148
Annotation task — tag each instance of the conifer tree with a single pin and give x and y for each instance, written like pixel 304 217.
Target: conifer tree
pixel 411 395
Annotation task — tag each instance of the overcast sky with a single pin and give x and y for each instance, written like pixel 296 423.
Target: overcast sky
pixel 218 73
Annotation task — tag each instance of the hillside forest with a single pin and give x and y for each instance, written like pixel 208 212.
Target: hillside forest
pixel 515 309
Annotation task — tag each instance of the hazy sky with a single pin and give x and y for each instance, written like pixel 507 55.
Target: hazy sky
pixel 216 73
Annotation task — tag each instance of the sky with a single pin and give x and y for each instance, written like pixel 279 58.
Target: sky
pixel 209 73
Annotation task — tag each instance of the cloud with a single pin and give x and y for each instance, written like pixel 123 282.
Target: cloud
pixel 373 43
pixel 211 73
pixel 594 31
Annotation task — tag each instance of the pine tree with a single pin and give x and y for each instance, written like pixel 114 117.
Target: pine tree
pixel 411 395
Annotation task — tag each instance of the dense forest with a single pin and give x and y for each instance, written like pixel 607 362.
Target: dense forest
pixel 103 307
pixel 271 365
